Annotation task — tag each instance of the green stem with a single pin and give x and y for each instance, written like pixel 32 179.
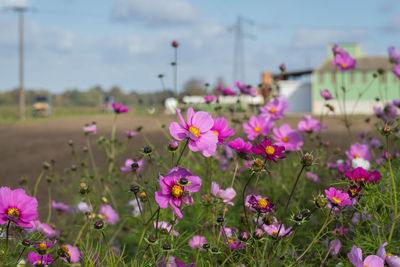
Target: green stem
pixel 19 257
pixel 50 209
pixel 244 200
pixel 183 150
pixel 394 191
pixel 37 183
pixel 90 153
pixel 6 246
pixel 154 172
pixel 112 140
pixel 80 232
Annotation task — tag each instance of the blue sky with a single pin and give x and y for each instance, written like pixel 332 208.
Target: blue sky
pixel 83 43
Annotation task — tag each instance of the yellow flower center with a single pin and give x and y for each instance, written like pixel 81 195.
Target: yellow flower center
pixel 230 241
pixel 352 192
pixel 257 129
pixel 274 233
pixel 39 262
pixel 14 212
pixel 336 200
pixel 177 191
pixel 216 133
pixel 389 254
pixel 285 139
pixel 270 150
pixel 366 265
pixel 262 203
pixel 143 194
pixel 344 65
pixel 194 131
pixel 356 156
pixel 272 110
pixel 65 249
pixel 308 128
pixel 42 247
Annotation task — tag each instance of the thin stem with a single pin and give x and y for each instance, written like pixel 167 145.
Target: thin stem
pixel 90 152
pixel 37 183
pixel 183 150
pixel 244 200
pixel 6 246
pixel 80 232
pixel 394 190
pixel 140 209
pixel 112 140
pixel 235 172
pixel 20 255
pixel 49 205
pixel 108 246
pixel 154 172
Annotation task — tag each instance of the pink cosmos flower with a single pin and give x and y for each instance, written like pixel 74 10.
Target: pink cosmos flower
pixel 36 259
pixel 87 129
pixel 309 125
pixel 358 150
pixel 396 70
pixel 226 195
pixel 338 197
pixel 362 176
pixel 132 166
pixel 165 228
pixel 60 206
pixel 390 259
pixel 259 204
pixel 83 207
pixel 268 150
pixel 231 241
pixel 273 229
pixel 287 137
pixel 109 213
pixel 275 108
pixel 394 55
pixel 312 176
pixel 198 130
pixel 244 89
pixel 343 60
pixel 337 50
pixel 45 229
pixel 43 246
pixel 225 91
pixel 72 252
pixel 334 246
pixel 326 94
pixel 197 242
pixel 240 146
pixel 355 257
pixel 210 98
pixel 221 130
pixel 119 108
pixel 258 125
pixel 130 134
pixel 18 207
pixel 176 187
pixel 173 262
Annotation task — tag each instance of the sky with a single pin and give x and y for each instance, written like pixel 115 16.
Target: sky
pixel 126 43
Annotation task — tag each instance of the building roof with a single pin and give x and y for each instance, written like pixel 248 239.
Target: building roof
pixel 363 64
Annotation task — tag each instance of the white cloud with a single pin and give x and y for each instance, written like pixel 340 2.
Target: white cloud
pixel 13 3
pixel 155 13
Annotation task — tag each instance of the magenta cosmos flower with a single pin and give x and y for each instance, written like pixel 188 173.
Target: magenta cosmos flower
pixel 338 197
pixel 176 187
pixel 244 89
pixel 221 130
pixel 109 213
pixel 389 258
pixel 132 166
pixel 36 259
pixel 130 134
pixel 197 129
pixel 225 91
pixel 259 204
pixel 269 151
pixel 45 229
pixel 59 206
pixel 197 242
pixel 226 195
pixel 361 176
pixel 275 108
pixel 358 150
pixel 394 55
pixel 343 60
pixel 355 257
pixel 240 146
pixel 88 129
pixel 287 137
pixel 210 98
pixel 73 254
pixel 309 125
pixel 396 71
pixel 258 125
pixel 119 108
pixel 326 94
pixel 231 241
pixel 18 207
pixel 273 229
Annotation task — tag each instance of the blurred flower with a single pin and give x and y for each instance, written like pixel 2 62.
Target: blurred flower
pixel 198 130
pixel 87 129
pixel 132 166
pixel 109 213
pixel 355 257
pixel 358 150
pixel 119 108
pixel 387 114
pixel 130 134
pixel 135 206
pixel 18 207
pixel 341 231
pixel 313 177
pixel 282 67
pixel 337 197
pixel 221 130
pixel 244 89
pixel 275 108
pixel 326 94
pixel 390 259
pixel 45 229
pixel 174 44
pixel 240 146
pixel 273 229
pixel 309 125
pixel 230 240
pixel 72 253
pixel 60 206
pixel 258 233
pixel 197 242
pixel 375 143
pixel 333 246
pixel 165 228
pixel 396 71
pixel 36 259
pixel 83 207
pixel 360 162
pixel 226 195
pixel 225 91
pixel 343 60
pixel 42 247
pixel 361 176
pixel 394 55
pixel 210 98
pixel 287 137
pixel 173 191
pixel 257 125
pixel 259 204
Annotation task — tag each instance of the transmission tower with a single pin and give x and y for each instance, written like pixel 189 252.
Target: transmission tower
pixel 239 63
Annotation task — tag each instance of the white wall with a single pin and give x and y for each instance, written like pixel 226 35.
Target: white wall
pixel 298 94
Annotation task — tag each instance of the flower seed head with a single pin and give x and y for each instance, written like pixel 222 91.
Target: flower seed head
pixel 98 225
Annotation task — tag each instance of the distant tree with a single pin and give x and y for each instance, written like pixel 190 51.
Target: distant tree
pixel 220 81
pixel 194 87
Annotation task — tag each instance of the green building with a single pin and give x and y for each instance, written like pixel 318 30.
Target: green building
pixel 372 78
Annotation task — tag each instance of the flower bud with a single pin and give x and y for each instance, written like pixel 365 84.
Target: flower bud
pixel 173 146
pixel 282 67
pixel 104 200
pixel 147 150
pixel 46 165
pixel 320 201
pixel 214 249
pixel 98 225
pixel 244 236
pixel 70 142
pixel 134 189
pixel 258 233
pixel 26 243
pixel 307 159
pixel 206 246
pixel 166 247
pixel 84 188
pixel 257 165
pixel 151 239
pixel 174 44
pixel 220 219
pixel 183 181
pixel 134 166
